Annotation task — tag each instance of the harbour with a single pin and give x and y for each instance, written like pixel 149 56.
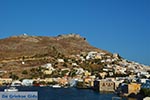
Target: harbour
pixel 49 93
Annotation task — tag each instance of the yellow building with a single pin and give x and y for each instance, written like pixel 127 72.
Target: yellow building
pixel 48 79
pixel 89 82
pixel 86 73
pixel 47 72
pixel 5 81
pixel 103 74
pixel 133 88
pixel 98 57
pixel 63 81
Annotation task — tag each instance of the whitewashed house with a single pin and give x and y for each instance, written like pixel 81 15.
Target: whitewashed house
pixel 91 55
pixel 60 60
pixel 27 82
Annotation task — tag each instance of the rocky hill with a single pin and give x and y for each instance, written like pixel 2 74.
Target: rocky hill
pixel 18 53
pixel 23 57
pixel 32 46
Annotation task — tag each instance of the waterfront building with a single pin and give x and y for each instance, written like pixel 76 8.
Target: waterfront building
pixel 27 82
pixel 143 81
pixel 89 82
pixel 16 83
pixel 127 89
pixel 5 81
pixel 146 85
pixel 104 86
pixel 134 88
pixel 63 81
pixel 73 82
pixel 146 98
pixel 117 83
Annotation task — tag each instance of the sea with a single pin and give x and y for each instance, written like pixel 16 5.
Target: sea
pixel 49 93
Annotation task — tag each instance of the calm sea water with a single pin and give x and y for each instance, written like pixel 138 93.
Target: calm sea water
pixel 48 93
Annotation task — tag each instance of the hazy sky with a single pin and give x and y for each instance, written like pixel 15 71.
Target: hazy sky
pixel 121 26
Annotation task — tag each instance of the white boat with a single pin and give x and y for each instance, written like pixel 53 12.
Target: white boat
pixel 56 86
pixel 11 89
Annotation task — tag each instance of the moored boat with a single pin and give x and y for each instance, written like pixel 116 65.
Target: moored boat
pixel 56 86
pixel 11 89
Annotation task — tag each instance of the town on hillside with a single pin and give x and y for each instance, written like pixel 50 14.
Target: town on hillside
pixel 93 70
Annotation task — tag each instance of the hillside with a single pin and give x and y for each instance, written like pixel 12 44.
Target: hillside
pixel 47 57
pixel 38 50
pixel 24 45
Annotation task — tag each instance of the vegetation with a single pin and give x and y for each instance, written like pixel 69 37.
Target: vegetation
pixel 14 76
pixel 64 72
pixel 72 73
pixel 35 51
pixel 25 72
pixel 80 85
pixel 56 73
pixel 145 92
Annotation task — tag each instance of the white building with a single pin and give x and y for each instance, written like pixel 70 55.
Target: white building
pixel 60 60
pixel 91 55
pixel 48 66
pixel 16 83
pixel 27 82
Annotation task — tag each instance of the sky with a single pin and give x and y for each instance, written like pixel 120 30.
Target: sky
pixel 118 26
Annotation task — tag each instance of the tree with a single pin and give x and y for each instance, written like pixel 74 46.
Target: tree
pixel 55 73
pixel 72 73
pixel 14 76
pixel 65 65
pixel 25 72
pixel 23 58
pixel 64 72
pixel 146 91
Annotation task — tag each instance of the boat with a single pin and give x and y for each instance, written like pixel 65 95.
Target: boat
pixel 116 98
pixel 11 89
pixel 56 86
